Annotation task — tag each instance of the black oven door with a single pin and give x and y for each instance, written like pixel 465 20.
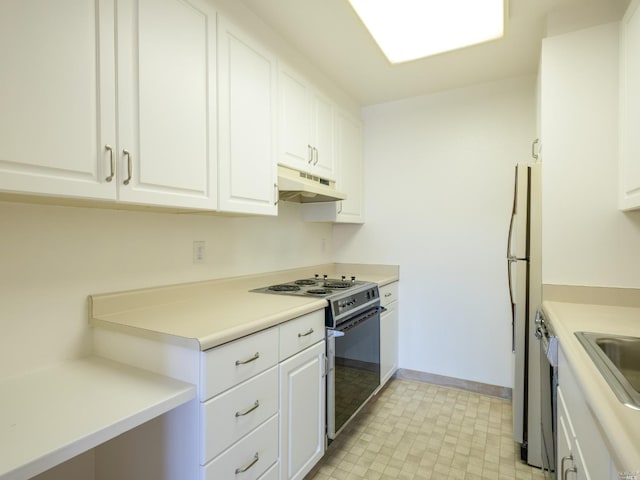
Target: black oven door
pixel 353 376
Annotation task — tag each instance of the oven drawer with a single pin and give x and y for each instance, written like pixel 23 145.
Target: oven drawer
pixel 231 415
pixel 227 365
pixel 249 458
pixel 300 333
pixel 388 294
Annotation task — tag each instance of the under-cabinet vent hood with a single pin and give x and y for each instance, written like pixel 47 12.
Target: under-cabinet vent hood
pixel 296 186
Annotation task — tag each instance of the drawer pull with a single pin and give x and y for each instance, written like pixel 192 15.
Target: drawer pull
pixel 256 457
pixel 248 360
pixel 387 295
pixel 309 332
pixel 248 410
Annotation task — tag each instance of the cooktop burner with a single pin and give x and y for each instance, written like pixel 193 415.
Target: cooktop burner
pixel 337 284
pixel 284 288
pixel 320 286
pixel 319 291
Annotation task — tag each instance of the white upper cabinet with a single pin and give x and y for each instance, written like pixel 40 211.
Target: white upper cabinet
pixel 306 126
pixel 349 158
pixel 59 133
pixel 166 103
pixel 630 108
pixel 55 123
pixel 247 123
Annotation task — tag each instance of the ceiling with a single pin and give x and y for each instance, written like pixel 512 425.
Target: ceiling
pixel 331 36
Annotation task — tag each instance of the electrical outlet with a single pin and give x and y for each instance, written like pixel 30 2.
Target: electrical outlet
pixel 199 251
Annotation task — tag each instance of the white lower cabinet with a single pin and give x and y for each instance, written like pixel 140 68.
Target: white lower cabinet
pixel 249 458
pixel 233 414
pixel 581 451
pixel 389 332
pixel 259 415
pixel 272 474
pixel 302 412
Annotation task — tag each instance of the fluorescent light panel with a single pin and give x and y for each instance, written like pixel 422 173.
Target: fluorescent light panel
pixel 410 29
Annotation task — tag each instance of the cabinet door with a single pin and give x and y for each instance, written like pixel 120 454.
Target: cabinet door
pixel 388 342
pixel 294 125
pixel 247 163
pixel 57 97
pixel 302 412
pixel 350 160
pixel 630 108
pixel 349 165
pixel 166 109
pixel 564 438
pixel 323 138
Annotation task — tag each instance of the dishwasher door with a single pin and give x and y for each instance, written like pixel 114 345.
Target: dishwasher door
pixel 548 394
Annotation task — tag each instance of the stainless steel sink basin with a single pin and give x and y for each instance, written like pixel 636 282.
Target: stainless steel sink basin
pixel 618 359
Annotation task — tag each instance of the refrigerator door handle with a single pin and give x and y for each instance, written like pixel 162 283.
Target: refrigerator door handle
pixel 513 309
pixel 513 212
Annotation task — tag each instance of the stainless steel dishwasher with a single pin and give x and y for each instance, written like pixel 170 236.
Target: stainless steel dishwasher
pixel 548 392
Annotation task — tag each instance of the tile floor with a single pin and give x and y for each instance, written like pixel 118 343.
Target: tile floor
pixel 414 430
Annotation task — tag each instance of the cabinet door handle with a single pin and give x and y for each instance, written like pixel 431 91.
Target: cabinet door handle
pixel 533 148
pixel 309 153
pixel 309 332
pixel 112 162
pixel 571 470
pixel 127 154
pixel 256 457
pixel 316 155
pixel 564 470
pixel 276 194
pixel 248 410
pixel 248 360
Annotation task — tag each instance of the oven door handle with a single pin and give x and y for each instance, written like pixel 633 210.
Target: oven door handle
pixel 334 333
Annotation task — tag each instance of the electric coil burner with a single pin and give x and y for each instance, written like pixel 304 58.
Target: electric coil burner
pixel 316 287
pixel 284 288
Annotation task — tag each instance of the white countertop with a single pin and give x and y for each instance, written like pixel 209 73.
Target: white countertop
pixel 619 425
pixel 56 413
pixel 217 311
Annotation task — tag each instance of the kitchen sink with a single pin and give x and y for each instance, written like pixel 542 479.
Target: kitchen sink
pixel 618 360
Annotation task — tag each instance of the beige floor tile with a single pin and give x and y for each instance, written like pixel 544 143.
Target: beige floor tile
pixel 419 431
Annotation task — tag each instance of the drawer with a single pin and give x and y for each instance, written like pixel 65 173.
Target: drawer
pixel 300 333
pixel 388 293
pixel 230 364
pixel 272 474
pixel 249 458
pixel 231 415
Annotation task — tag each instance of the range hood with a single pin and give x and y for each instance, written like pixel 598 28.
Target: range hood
pixel 301 187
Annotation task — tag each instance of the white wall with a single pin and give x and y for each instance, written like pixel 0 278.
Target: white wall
pixel 586 239
pixel 52 257
pixel 439 186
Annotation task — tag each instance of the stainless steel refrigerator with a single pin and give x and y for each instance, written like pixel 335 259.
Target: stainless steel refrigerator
pixel 524 250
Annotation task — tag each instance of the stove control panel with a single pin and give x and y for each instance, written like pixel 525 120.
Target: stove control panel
pixel 354 300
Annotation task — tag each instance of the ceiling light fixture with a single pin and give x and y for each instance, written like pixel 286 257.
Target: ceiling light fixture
pixel 411 29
